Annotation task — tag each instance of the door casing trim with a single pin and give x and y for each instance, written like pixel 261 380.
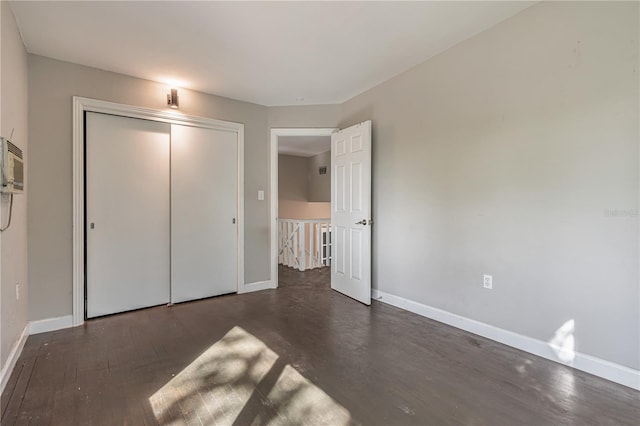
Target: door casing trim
pixel 273 184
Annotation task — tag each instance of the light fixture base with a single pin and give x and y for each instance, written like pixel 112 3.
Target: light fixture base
pixel 172 98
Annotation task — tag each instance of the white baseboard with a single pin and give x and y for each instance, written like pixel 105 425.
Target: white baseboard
pixel 257 286
pixel 50 324
pixel 598 367
pixel 9 365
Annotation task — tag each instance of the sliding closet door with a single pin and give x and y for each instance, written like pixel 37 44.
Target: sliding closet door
pixel 204 169
pixel 127 217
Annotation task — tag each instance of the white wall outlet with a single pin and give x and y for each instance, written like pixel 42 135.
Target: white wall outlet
pixel 17 291
pixel 261 195
pixel 488 282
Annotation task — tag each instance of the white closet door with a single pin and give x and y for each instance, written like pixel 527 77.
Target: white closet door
pixel 204 242
pixel 127 201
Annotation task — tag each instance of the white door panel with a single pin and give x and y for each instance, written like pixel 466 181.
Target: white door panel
pixel 351 211
pixel 204 242
pixel 127 202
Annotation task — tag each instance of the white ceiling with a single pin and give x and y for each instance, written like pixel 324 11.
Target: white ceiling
pixel 270 53
pixel 303 146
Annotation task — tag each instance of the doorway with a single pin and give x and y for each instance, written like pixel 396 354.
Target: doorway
pixel 301 200
pixel 349 230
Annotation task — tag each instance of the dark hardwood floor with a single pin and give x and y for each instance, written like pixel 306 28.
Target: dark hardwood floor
pixel 301 354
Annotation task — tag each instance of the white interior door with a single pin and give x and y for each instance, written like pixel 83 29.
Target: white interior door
pixel 204 230
pixel 127 217
pixel 351 212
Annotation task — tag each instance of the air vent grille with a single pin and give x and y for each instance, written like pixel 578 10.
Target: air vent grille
pixel 14 150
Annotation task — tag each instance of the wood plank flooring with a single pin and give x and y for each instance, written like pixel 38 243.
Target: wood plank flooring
pixel 301 354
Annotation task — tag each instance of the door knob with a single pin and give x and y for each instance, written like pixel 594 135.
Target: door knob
pixel 362 222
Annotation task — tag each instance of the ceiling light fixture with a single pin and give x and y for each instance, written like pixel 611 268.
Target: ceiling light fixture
pixel 172 98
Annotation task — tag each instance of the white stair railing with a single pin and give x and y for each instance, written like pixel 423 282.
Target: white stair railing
pixel 304 244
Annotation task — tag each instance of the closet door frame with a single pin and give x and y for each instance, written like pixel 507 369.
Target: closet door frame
pixel 82 105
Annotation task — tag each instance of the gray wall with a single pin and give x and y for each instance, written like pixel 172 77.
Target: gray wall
pixel 292 178
pixel 515 154
pixel 319 186
pixel 299 180
pixel 13 115
pixel 304 116
pixel 52 85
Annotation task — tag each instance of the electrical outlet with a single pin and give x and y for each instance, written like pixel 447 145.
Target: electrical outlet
pixel 488 282
pixel 17 291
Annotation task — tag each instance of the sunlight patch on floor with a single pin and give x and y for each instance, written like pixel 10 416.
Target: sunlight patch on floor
pixel 239 380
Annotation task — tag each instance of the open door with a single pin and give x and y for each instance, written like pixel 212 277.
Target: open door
pixel 351 212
